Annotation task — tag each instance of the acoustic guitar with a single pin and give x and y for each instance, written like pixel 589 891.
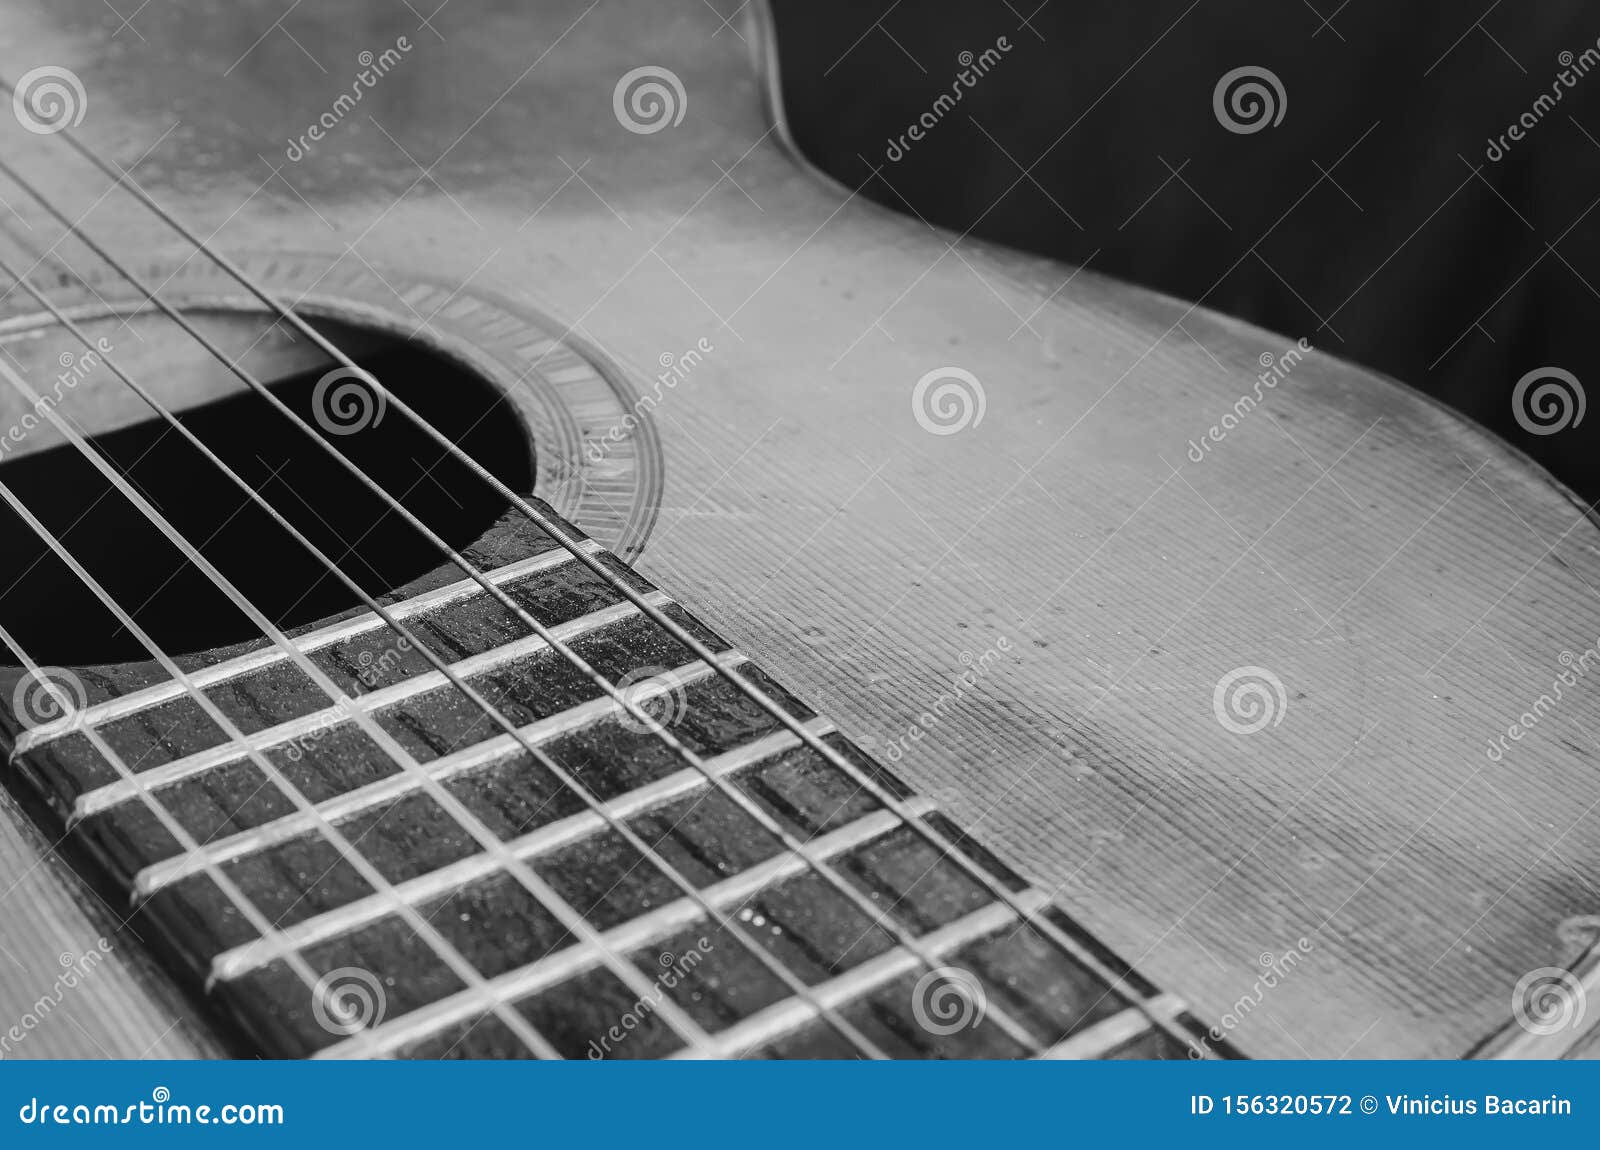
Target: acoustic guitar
pixel 504 560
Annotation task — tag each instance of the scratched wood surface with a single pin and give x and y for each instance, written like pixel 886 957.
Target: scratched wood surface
pixel 1410 581
pixel 73 980
pixel 341 924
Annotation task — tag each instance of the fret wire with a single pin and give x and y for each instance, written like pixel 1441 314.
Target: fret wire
pixel 368 871
pixel 734 892
pixel 738 681
pixel 530 844
pixel 1109 1033
pixel 198 762
pixel 469 822
pixel 778 1019
pixel 392 787
pixel 880 916
pixel 571 656
pixel 121 706
pixel 265 927
pixel 752 692
pixel 420 926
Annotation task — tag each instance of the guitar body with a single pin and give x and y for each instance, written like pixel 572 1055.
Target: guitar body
pixel 1022 532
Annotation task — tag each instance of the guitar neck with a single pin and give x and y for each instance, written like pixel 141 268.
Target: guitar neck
pixel 889 930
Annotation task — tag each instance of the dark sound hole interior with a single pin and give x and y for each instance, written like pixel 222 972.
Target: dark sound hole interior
pixel 50 613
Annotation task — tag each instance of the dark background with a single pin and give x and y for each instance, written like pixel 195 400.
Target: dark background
pixel 1369 220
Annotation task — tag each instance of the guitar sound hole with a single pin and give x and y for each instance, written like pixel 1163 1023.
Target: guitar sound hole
pixel 58 621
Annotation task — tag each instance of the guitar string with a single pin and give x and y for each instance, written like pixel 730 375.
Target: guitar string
pixel 688 1031
pixel 569 918
pixel 252 914
pixel 725 923
pixel 874 912
pixel 298 963
pixel 1025 912
pixel 1063 941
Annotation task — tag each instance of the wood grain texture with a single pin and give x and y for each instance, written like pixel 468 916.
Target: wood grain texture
pixel 1410 580
pixel 172 759
pixel 73 980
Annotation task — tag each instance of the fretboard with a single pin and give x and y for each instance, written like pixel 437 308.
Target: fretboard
pixel 366 921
